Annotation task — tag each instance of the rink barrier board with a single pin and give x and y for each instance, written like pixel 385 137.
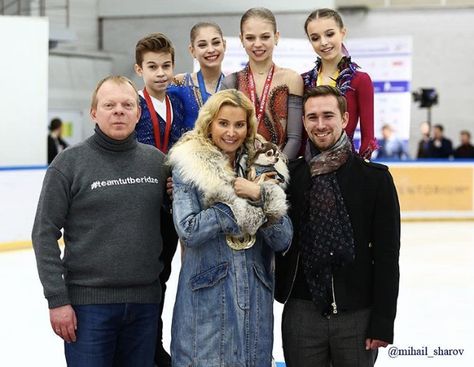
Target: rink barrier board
pixel 428 191
pixel 434 190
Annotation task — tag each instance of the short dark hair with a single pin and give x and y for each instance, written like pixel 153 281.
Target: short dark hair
pixel 155 42
pixel 55 123
pixel 439 126
pixel 466 132
pixel 326 90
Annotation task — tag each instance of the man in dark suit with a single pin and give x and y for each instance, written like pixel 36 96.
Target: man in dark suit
pixel 440 146
pixel 466 149
pixel 339 280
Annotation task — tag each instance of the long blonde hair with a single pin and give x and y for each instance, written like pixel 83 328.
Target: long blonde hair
pixel 262 13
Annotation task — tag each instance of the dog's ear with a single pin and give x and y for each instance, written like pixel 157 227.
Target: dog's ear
pixel 257 144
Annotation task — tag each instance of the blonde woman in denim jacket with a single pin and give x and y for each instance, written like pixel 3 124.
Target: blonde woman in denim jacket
pixel 230 228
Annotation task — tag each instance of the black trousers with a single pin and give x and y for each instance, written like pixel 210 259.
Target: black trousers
pixel 170 241
pixel 312 340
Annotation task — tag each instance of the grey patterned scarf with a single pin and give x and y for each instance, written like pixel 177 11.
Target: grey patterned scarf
pixel 327 238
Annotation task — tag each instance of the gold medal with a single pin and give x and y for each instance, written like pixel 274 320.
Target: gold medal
pixel 240 243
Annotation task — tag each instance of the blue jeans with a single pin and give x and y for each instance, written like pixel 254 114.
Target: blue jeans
pixel 118 335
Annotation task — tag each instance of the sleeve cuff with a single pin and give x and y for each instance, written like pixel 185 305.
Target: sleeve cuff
pixel 226 219
pixel 58 300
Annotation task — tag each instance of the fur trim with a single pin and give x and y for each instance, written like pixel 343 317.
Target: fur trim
pixel 274 201
pixel 200 163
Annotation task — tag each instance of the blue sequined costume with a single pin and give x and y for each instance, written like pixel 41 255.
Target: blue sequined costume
pixel 144 128
pixel 190 97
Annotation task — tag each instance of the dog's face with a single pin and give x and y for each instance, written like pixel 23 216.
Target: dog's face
pixel 266 153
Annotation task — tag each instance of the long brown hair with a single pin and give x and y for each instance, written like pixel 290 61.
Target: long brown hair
pixel 323 13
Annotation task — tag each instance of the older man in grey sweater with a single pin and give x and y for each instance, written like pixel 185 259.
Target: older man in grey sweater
pixel 106 194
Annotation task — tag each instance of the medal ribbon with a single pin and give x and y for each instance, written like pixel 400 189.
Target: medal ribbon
pixel 156 124
pixel 202 86
pixel 260 107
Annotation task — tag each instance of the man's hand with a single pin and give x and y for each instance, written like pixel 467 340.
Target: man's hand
pixel 169 187
pixel 64 323
pixel 374 344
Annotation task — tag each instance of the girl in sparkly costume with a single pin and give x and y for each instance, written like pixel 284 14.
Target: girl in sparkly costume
pixel 326 32
pixel 276 92
pixel 193 89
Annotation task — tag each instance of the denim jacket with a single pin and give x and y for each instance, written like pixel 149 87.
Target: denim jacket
pixel 223 313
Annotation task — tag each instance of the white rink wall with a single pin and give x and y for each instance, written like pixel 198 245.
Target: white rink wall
pixel 23 90
pixel 19 193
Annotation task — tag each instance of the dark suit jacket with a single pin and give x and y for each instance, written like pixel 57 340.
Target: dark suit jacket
pixel 445 150
pixel 423 149
pixel 372 279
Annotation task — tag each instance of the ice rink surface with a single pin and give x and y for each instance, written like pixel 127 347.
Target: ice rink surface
pixel 435 308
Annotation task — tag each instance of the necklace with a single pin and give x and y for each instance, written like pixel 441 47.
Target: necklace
pixel 262 72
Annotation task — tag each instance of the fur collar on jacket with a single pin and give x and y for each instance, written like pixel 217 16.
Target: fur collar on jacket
pixel 201 164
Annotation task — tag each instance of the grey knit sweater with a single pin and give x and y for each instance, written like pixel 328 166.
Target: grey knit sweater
pixel 106 195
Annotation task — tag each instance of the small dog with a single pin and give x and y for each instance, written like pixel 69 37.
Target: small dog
pixel 268 158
